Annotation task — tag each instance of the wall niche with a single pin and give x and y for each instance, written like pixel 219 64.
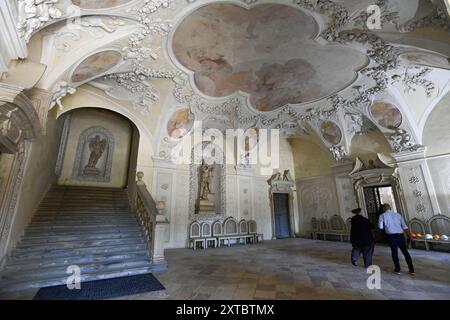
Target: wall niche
pixel 93 159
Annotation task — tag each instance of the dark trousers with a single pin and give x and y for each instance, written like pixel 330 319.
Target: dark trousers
pixel 396 241
pixel 367 252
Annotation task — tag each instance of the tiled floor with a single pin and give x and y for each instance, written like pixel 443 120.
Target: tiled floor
pixel 295 269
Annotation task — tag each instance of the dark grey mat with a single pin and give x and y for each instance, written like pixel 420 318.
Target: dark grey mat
pixel 102 289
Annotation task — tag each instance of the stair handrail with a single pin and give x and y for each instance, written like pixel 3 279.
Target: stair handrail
pixel 152 220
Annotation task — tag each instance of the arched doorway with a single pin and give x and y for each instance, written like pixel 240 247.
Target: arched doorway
pixel 98 148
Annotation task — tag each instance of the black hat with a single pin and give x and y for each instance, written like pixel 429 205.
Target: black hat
pixel 356 211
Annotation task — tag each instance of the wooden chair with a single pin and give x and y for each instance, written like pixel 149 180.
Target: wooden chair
pixel 243 231
pixel 207 234
pixel 439 224
pixel 314 228
pixel 217 231
pixel 252 229
pixel 195 236
pixel 323 228
pixel 418 226
pixel 230 231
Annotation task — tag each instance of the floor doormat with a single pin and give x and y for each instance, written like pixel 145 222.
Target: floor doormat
pixel 102 289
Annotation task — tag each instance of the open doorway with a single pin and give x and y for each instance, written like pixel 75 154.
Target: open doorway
pixel 374 197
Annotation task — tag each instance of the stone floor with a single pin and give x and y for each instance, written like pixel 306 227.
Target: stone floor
pixel 294 269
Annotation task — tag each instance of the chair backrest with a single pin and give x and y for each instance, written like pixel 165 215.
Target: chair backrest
pixel 243 227
pixel 194 230
pixel 337 223
pixel 348 224
pixel 206 229
pixel 217 228
pixel 417 226
pixel 439 224
pixel 323 224
pixel 251 226
pixel 230 226
pixel 314 224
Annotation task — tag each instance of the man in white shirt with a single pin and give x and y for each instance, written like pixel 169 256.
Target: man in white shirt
pixel 394 225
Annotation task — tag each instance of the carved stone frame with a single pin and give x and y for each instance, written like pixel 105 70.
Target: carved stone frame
pixel 109 156
pixel 374 178
pixel 193 186
pixel 287 187
pixel 8 206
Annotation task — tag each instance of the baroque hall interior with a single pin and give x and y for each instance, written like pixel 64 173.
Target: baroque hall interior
pixel 149 139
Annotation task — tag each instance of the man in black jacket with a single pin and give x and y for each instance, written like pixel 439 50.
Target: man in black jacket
pixel 361 238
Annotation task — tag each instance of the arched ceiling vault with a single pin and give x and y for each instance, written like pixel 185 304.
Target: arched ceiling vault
pixel 286 64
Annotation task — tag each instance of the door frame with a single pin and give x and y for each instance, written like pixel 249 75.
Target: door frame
pixel 287 189
pixel 378 178
pixel 289 207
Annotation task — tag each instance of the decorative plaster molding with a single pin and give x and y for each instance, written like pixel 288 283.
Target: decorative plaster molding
pixel 63 144
pixel 402 141
pixel 60 90
pixel 412 80
pixel 339 154
pixel 34 14
pixel 137 82
pixel 95 27
pixel 19 119
pixel 12 46
pixel 438 18
pixel 14 185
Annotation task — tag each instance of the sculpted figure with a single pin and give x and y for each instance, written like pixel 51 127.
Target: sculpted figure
pixel 97 147
pixel 205 181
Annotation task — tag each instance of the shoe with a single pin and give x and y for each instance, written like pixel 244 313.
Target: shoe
pixel 412 273
pixel 397 271
pixel 354 263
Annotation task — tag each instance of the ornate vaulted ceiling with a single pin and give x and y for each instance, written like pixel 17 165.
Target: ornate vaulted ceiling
pixel 296 65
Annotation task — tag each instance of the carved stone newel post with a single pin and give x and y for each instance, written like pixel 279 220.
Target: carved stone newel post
pixel 161 226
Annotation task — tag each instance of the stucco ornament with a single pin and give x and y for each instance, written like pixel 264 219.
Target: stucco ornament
pixel 401 140
pixel 60 89
pixel 338 153
pixel 414 77
pixel 33 14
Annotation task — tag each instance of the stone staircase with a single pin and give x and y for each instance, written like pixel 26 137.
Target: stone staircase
pixel 89 227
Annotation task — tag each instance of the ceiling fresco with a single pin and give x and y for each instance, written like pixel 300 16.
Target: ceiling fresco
pixel 280 64
pixel 95 65
pixel 386 114
pixel 266 51
pixel 331 132
pixel 180 123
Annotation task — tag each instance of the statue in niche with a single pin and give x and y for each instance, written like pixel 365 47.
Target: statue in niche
pixel 205 204
pixel 205 181
pixel 96 146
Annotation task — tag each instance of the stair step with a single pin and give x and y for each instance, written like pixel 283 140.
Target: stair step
pixel 61 271
pixel 27 264
pixel 23 264
pixel 74 232
pixel 85 212
pixel 36 239
pixel 93 228
pixel 78 244
pixel 80 227
pixel 60 253
pixel 84 217
pixel 106 223
pixel 89 210
pixel 9 286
